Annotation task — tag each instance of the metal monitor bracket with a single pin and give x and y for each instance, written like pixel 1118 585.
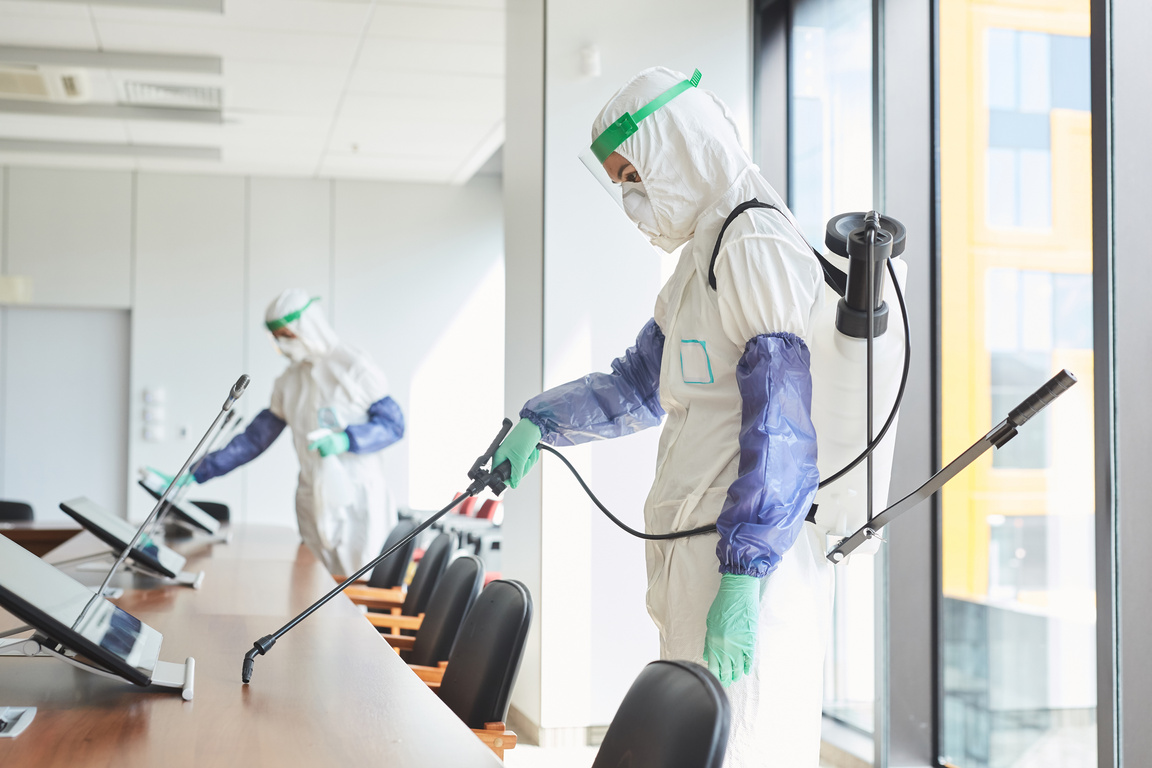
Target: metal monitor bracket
pixel 165 675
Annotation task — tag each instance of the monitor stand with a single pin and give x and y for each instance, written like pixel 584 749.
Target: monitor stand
pixel 194 579
pixel 165 675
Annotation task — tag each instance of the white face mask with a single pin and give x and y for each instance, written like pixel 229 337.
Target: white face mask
pixel 293 349
pixel 639 210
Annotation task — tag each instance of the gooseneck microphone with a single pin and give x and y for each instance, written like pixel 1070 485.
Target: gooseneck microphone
pixel 494 478
pixel 237 390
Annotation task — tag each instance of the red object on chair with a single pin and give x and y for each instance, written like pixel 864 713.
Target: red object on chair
pixel 490 576
pixel 488 509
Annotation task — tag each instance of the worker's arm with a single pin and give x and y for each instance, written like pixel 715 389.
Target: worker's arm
pixel 262 431
pixel 777 476
pixel 604 405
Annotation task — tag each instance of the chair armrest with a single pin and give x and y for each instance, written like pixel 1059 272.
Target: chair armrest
pixel 429 674
pixel 395 622
pixel 497 737
pixel 399 642
pixel 371 597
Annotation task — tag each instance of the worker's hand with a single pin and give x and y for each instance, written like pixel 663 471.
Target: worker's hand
pixel 730 638
pixel 331 444
pixel 187 479
pixel 519 450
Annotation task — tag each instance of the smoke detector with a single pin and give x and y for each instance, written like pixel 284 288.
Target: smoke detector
pixel 180 96
pixel 36 83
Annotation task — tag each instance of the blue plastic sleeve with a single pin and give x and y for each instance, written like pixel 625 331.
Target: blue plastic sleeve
pixel 262 431
pixel 385 426
pixel 604 405
pixel 778 478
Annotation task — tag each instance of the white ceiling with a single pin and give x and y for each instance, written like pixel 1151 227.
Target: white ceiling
pixel 330 88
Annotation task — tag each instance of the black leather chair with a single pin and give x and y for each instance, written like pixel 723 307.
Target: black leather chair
pixel 388 602
pixel 676 715
pixel 454 595
pixel 477 681
pixel 15 511
pixel 391 570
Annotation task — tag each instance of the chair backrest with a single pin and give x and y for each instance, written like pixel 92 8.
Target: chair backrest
pixel 390 571
pixel 482 667
pixel 13 511
pixel 428 572
pixel 675 715
pixel 217 509
pixel 451 600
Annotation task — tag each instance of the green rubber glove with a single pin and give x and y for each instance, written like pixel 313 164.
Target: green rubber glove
pixel 188 479
pixel 519 449
pixel 331 445
pixel 730 639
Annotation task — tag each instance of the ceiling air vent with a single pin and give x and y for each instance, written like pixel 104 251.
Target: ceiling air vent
pixel 34 83
pixel 182 96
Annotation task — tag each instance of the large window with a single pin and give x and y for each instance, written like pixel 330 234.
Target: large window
pixel 830 172
pixel 1018 604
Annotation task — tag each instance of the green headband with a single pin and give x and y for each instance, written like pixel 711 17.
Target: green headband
pixel 615 134
pixel 275 325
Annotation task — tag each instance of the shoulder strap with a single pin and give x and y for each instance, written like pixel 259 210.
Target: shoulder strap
pixel 835 279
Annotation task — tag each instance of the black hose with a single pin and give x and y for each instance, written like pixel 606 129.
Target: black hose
pixel 836 476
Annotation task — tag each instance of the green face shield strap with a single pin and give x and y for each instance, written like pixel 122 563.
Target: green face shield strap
pixel 615 134
pixel 275 325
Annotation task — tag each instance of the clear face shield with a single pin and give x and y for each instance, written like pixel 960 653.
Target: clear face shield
pixel 614 135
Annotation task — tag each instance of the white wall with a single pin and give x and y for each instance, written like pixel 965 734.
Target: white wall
pixel 595 280
pixel 412 273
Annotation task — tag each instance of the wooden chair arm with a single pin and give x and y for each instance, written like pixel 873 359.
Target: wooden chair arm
pixel 395 622
pixel 497 737
pixel 371 597
pixel 399 642
pixel 429 675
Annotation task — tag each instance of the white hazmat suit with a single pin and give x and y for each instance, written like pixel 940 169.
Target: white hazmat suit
pixel 328 385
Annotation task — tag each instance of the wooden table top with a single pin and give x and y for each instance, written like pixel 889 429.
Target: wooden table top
pixel 39 537
pixel 331 692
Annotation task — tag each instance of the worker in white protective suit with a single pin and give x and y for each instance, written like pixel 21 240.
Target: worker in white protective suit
pixel 336 402
pixel 725 358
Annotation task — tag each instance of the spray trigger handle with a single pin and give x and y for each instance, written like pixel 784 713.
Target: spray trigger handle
pixel 498 476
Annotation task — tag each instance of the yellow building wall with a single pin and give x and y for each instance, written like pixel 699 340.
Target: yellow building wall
pixel 969 248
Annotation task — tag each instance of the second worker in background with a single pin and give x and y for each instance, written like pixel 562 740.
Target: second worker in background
pixel 336 402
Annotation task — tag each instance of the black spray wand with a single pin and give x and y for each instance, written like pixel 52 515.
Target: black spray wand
pixel 481 479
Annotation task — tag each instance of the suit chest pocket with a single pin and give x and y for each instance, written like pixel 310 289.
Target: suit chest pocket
pixel 695 366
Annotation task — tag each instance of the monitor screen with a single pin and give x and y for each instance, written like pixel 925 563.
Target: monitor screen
pixel 187 512
pixel 53 603
pixel 116 532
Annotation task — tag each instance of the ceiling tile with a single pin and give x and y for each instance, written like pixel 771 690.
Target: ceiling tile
pixel 401 56
pixel 441 24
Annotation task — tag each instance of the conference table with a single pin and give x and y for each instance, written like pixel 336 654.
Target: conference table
pixel 330 693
